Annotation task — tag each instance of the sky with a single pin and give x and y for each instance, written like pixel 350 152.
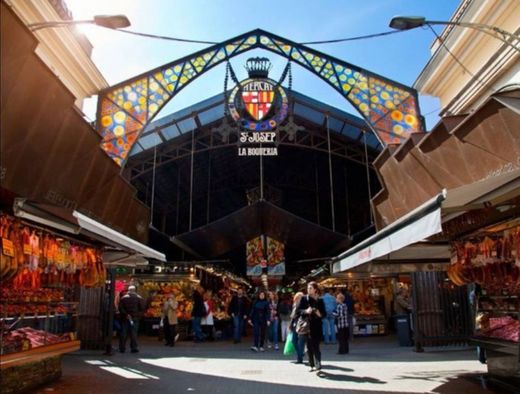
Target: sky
pixel 399 57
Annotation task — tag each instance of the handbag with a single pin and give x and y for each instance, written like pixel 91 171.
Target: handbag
pixel 303 325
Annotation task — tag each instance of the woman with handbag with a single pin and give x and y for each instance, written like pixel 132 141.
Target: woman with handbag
pixel 292 327
pixel 310 311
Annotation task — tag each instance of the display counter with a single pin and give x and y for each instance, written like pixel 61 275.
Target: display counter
pixel 37 354
pixel 370 325
pixel 503 357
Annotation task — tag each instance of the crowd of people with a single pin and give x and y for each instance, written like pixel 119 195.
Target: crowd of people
pixel 304 319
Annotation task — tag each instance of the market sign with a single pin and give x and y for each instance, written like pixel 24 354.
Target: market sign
pixel 258 105
pixel 265 255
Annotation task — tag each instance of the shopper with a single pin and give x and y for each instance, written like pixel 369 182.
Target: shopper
pixel 169 319
pixel 329 329
pixel 401 304
pixel 131 307
pixel 274 320
pixel 312 309
pixel 349 302
pixel 238 309
pixel 259 318
pixel 341 315
pixel 207 321
pixel 284 312
pixel 298 345
pixel 197 313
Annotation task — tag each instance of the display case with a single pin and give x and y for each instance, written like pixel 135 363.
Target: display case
pixel 498 331
pixel 27 325
pixel 370 325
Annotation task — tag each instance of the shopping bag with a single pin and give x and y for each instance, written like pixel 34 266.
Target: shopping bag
pixel 289 345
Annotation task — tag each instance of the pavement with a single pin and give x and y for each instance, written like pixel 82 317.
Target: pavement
pixel 374 365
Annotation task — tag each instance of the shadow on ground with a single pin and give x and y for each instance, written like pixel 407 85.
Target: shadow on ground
pixel 348 378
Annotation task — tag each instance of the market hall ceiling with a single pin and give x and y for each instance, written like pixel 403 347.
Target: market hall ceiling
pixel 261 218
pixel 221 179
pixel 390 109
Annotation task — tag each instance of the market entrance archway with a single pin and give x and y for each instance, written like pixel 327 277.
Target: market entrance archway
pixel 390 109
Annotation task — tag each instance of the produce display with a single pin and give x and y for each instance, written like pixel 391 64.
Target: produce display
pixel 28 338
pixel 31 258
pixel 504 327
pixel 372 297
pixel 28 302
pixel 491 262
pixel 24 309
pixel 182 290
pixel 31 295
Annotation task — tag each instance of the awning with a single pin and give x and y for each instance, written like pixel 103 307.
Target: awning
pixel 426 220
pixel 485 193
pixel 419 224
pixel 261 218
pixel 126 251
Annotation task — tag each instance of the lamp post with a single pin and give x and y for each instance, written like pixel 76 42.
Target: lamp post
pixel 108 21
pixel 412 22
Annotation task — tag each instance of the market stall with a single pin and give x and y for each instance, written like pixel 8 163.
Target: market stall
pixel 155 288
pixel 41 273
pixel 56 290
pixel 372 299
pixel 491 261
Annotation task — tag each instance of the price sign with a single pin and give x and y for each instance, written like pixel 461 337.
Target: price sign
pixel 7 247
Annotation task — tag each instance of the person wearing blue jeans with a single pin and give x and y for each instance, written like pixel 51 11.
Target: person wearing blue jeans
pixel 301 340
pixel 197 313
pixel 238 309
pixel 299 345
pixel 274 319
pixel 328 321
pixel 259 319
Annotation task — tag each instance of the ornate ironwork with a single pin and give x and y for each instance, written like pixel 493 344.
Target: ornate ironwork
pixel 205 140
pixel 390 109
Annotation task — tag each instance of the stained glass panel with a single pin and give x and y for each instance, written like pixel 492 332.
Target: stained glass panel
pixel 391 109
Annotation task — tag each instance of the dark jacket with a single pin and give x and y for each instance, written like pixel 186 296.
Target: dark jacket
pixel 239 306
pixel 349 302
pixel 316 325
pixel 198 305
pixel 260 312
pixel 131 304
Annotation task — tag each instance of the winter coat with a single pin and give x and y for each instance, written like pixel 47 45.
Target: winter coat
pixel 170 311
pixel 260 312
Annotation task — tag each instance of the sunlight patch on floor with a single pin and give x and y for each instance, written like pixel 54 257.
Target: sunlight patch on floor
pixel 380 376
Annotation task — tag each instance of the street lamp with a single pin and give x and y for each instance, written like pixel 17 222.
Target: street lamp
pixel 412 22
pixel 108 21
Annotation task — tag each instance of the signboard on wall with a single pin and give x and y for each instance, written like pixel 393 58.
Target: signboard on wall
pixel 265 254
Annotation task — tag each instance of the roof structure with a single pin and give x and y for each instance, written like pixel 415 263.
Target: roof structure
pixel 206 209
pixel 389 108
pixel 211 110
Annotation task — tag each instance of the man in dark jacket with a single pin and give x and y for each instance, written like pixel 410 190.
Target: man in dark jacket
pixel 197 313
pixel 131 308
pixel 349 302
pixel 238 309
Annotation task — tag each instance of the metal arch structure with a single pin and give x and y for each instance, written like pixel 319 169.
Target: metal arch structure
pixel 206 140
pixel 390 109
